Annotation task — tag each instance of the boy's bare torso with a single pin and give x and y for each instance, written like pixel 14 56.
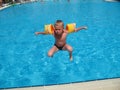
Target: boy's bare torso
pixel 61 39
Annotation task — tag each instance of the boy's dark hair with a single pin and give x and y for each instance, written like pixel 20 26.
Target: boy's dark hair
pixel 59 21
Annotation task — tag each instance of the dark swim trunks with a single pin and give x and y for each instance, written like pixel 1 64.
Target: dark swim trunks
pixel 60 48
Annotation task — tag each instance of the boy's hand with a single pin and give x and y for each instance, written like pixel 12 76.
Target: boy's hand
pixel 85 27
pixel 80 28
pixel 36 33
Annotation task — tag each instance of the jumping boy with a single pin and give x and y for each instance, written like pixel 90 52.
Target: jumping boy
pixel 60 35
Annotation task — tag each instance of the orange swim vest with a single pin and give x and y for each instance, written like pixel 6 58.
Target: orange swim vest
pixel 49 28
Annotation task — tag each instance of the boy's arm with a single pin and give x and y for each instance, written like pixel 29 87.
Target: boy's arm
pixel 80 28
pixel 37 33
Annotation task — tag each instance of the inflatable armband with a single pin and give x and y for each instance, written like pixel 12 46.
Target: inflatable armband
pixel 70 27
pixel 49 29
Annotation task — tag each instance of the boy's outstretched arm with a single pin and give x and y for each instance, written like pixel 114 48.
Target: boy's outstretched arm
pixel 37 33
pixel 80 28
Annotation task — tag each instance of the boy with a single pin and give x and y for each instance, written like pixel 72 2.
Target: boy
pixel 60 35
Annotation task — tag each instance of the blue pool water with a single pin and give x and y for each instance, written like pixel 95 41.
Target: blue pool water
pixel 23 56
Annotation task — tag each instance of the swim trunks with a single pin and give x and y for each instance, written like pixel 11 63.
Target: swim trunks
pixel 60 48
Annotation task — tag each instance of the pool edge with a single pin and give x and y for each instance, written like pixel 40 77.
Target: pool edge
pixel 9 5
pixel 108 84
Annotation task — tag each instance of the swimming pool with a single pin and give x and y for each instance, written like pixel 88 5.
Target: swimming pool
pixel 23 56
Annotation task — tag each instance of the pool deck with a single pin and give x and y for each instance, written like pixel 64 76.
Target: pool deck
pixel 108 84
pixel 8 5
pixel 5 6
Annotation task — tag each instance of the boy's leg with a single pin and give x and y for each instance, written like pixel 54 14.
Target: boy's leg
pixel 69 49
pixel 52 51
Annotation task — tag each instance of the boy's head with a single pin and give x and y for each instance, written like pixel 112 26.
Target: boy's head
pixel 59 26
pixel 59 23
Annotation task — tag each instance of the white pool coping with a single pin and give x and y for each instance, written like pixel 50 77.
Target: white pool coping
pixel 108 84
pixel 111 1
pixel 8 5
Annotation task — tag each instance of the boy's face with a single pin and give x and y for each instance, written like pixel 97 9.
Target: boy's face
pixel 58 29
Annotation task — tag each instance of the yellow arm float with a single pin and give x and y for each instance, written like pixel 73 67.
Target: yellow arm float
pixel 71 27
pixel 49 28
